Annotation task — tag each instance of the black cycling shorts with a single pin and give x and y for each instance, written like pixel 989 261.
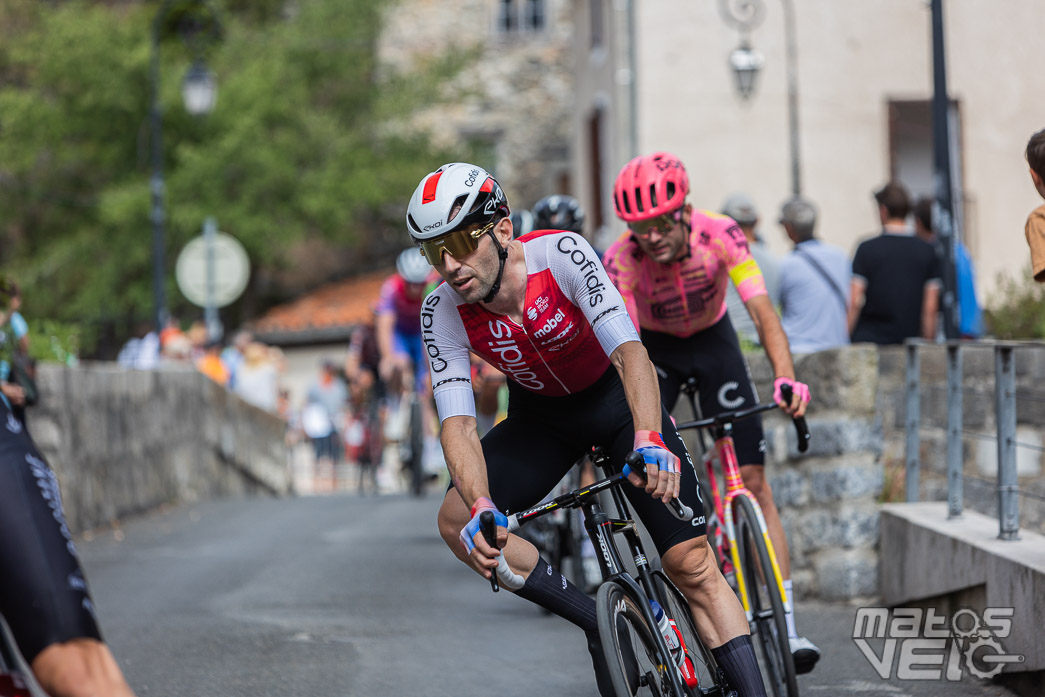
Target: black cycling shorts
pixel 713 357
pixel 43 593
pixel 533 448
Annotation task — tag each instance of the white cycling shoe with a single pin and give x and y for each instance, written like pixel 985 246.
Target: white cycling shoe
pixel 805 654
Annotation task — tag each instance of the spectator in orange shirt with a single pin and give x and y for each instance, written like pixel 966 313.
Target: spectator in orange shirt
pixel 1035 229
pixel 210 363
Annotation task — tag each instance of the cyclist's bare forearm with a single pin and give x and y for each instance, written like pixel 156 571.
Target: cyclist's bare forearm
pixel 640 384
pixel 383 330
pixel 464 458
pixel 771 334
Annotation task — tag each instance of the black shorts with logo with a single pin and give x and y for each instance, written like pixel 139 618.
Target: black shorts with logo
pixel 713 357
pixel 43 593
pixel 529 452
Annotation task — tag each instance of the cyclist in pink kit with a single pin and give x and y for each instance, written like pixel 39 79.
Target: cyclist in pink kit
pixel 542 311
pixel 672 268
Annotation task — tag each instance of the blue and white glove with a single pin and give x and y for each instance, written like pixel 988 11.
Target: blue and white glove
pixel 470 530
pixel 650 445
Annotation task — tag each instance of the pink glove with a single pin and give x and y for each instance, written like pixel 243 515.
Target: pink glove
pixel 799 388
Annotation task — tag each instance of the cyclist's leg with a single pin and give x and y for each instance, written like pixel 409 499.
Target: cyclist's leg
pixel 514 485
pixel 80 668
pixel 688 561
pixel 43 594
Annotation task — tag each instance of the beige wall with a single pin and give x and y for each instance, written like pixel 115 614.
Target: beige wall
pixel 853 57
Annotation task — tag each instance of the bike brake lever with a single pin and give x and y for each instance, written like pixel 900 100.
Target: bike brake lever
pixel 488 525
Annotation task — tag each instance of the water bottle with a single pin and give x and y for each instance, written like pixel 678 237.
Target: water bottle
pixel 670 637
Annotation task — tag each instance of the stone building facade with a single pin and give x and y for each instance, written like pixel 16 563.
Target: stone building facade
pixel 514 94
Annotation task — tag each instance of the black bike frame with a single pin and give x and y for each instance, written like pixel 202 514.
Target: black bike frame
pixel 601 529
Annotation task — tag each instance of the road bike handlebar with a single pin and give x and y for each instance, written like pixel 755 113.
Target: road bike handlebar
pixel 488 526
pixel 728 417
pixel 578 497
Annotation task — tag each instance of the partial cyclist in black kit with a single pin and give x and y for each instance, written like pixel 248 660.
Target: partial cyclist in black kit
pixel 43 592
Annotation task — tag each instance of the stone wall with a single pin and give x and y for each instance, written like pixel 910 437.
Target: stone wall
pixel 980 461
pixel 125 441
pixel 828 496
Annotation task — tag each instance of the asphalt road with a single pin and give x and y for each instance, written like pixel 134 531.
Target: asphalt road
pixel 340 595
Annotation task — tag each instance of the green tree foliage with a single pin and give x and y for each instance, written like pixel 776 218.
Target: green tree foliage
pixel 298 146
pixel 1017 308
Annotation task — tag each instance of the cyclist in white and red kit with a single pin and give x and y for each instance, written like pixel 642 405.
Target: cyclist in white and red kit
pixel 542 311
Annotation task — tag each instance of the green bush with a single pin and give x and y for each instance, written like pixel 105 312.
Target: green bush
pixel 60 342
pixel 1016 309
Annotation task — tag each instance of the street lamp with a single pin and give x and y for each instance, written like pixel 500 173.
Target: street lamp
pixel 746 62
pixel 199 91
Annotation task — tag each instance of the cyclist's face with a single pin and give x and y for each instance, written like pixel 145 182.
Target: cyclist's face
pixel 473 276
pixel 662 238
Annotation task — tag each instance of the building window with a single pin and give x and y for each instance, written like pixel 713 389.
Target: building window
pixel 515 16
pixel 595 13
pixel 911 159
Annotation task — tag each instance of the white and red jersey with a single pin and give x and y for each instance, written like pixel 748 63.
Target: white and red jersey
pixel 689 295
pixel 573 319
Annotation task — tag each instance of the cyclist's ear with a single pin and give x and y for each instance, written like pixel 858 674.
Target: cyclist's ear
pixel 503 230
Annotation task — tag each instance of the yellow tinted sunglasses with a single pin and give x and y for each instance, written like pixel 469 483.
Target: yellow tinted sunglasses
pixel 458 244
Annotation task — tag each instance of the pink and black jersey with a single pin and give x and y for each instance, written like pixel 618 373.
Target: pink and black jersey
pixel 689 295
pixel 573 319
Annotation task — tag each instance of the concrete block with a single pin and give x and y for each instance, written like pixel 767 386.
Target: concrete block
pixel 926 556
pixel 847 574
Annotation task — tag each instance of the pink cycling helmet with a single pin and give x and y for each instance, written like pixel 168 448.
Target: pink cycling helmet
pixel 650 185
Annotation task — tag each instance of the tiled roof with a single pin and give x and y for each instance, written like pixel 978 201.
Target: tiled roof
pixel 328 313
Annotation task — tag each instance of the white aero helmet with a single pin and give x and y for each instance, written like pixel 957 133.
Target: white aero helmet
pixel 412 266
pixel 467 189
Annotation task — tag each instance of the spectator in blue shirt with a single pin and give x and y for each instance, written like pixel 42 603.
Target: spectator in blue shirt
pixel 814 283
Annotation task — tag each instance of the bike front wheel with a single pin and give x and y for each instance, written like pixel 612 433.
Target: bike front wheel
pixel 633 657
pixel 769 622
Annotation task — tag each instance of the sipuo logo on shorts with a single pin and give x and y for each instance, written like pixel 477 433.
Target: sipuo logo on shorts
pixel 917 644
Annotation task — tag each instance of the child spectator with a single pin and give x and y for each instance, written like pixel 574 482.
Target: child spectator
pixel 1036 221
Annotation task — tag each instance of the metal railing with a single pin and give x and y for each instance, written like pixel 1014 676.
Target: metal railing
pixel 1005 398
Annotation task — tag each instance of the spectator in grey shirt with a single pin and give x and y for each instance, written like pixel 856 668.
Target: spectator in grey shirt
pixel 742 209
pixel 814 284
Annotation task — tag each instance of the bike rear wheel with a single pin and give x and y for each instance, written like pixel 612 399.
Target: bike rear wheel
pixel 769 623
pixel 633 657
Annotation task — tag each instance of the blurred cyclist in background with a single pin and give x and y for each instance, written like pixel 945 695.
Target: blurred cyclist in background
pixel 558 212
pixel 403 366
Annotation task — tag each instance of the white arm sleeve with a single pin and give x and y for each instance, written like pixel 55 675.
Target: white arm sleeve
pixel 446 343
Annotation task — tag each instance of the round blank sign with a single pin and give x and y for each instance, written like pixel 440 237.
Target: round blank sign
pixel 231 270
